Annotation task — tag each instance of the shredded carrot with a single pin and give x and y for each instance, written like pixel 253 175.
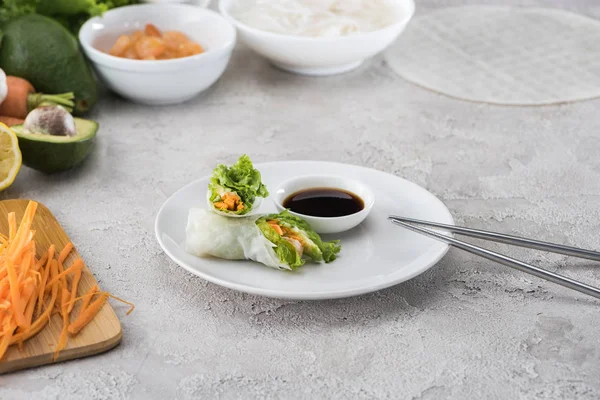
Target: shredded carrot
pixel 42 319
pixel 131 305
pixel 45 278
pixel 88 314
pixel 41 261
pixel 62 341
pixel 276 227
pixel 88 298
pixel 65 253
pixel 14 293
pixel 74 286
pixel 77 266
pixel 62 277
pixel 26 307
pixel 6 337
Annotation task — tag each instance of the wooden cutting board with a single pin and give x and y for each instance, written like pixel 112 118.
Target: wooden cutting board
pixel 101 334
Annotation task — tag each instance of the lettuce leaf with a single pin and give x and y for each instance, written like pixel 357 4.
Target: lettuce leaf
pixel 324 251
pixel 241 178
pixel 315 248
pixel 286 252
pixel 71 13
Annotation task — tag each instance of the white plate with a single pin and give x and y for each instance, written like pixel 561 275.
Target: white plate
pixel 375 255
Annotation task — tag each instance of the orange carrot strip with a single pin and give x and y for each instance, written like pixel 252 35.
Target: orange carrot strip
pixel 26 262
pixel 14 293
pixel 24 230
pixel 4 288
pixel 65 252
pixel 131 305
pixel 28 316
pixel 88 314
pixel 87 298
pixel 45 278
pixel 42 320
pixel 41 261
pixel 74 286
pixel 26 295
pixel 63 278
pixel 29 309
pixel 277 228
pixel 7 335
pixel 62 341
pixel 77 266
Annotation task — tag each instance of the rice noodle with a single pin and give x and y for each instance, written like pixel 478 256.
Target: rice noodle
pixel 317 18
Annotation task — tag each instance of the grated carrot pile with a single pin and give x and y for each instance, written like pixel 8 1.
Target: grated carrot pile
pixel 32 288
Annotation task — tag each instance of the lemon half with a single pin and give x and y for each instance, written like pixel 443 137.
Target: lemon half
pixel 10 156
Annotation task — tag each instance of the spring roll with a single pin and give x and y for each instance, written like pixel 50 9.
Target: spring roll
pixel 234 190
pixel 281 241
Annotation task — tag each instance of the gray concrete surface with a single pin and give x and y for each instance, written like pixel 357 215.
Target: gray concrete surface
pixel 465 329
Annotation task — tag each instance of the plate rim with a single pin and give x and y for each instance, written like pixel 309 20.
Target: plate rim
pixel 302 296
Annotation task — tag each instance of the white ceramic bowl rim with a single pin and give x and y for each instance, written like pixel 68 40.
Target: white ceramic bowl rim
pixel 368 203
pixel 225 12
pixel 104 58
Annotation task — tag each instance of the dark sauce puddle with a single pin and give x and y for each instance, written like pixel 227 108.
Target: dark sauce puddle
pixel 324 202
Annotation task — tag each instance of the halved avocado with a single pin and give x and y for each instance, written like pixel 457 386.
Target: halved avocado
pixel 48 153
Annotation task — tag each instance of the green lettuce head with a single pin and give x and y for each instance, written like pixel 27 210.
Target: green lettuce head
pixel 234 190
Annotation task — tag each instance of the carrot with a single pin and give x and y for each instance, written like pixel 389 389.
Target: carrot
pixel 5 342
pixel 88 314
pixel 28 317
pixel 88 297
pixel 62 341
pixel 41 261
pixel 24 279
pixel 22 98
pixel 11 121
pixel 65 252
pixel 29 310
pixel 277 228
pixel 26 294
pixel 74 286
pixel 45 278
pixel 61 259
pixel 14 293
pixel 77 266
pixel 40 322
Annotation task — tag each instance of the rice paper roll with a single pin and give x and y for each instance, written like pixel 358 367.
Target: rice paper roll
pixel 236 190
pixel 279 241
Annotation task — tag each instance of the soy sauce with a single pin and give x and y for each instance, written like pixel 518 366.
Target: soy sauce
pixel 324 202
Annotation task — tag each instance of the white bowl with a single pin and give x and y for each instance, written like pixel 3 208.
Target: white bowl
pixel 319 56
pixel 326 225
pixel 163 81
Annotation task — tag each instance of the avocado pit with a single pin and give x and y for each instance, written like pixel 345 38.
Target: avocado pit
pixel 50 120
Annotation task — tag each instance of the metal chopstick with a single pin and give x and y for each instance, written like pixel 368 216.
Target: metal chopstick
pixel 508 239
pixel 505 260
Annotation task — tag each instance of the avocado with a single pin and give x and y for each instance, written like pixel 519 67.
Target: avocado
pixel 49 153
pixel 42 51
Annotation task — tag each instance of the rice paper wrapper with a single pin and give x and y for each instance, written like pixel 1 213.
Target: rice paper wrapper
pixel 501 55
pixel 209 234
